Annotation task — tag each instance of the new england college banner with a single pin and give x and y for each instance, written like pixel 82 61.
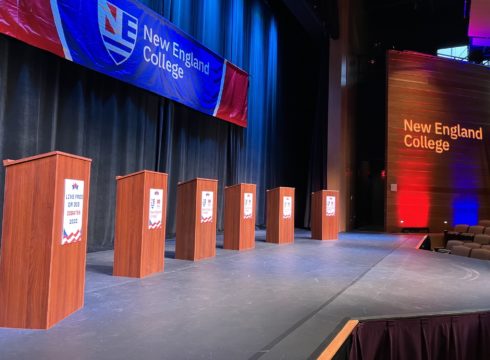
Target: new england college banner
pixel 128 41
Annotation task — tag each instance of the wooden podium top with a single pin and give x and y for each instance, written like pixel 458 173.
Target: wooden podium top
pixel 281 187
pixel 324 190
pixel 239 184
pixel 8 162
pixel 138 173
pixel 196 179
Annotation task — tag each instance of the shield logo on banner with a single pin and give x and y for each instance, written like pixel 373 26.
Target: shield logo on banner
pixel 118 29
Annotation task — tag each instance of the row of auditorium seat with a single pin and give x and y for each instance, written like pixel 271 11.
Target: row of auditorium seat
pixel 466 232
pixel 472 241
pixel 479 253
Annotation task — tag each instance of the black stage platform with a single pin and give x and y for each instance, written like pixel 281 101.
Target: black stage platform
pixel 274 302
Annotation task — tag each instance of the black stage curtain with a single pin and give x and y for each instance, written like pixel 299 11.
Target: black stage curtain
pixel 47 103
pixel 449 337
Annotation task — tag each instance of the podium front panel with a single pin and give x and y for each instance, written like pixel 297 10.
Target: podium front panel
pixel 240 205
pixel 324 215
pixel 196 219
pixel 139 241
pixel 44 239
pixel 280 215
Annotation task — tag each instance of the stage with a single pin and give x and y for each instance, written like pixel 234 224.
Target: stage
pixel 276 301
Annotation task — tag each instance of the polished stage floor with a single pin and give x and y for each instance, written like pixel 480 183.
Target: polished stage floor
pixel 274 302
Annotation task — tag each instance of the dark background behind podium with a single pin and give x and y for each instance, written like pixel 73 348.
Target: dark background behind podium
pixel 47 104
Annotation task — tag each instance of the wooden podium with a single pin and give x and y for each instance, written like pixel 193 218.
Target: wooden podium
pixel 44 239
pixel 196 219
pixel 139 238
pixel 324 215
pixel 239 231
pixel 280 215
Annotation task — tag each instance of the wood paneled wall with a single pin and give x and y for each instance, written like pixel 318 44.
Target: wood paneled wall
pixel 429 186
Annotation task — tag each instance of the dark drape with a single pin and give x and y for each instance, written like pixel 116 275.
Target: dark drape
pixel 451 337
pixel 47 104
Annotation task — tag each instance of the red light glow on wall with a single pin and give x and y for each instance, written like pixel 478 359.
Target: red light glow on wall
pixel 412 198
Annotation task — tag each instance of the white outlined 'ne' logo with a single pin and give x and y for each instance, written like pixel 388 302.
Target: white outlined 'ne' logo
pixel 118 29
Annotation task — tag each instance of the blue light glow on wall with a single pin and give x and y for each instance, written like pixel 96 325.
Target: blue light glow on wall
pixel 465 210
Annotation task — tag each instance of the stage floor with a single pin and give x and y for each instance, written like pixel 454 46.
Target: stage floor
pixel 274 302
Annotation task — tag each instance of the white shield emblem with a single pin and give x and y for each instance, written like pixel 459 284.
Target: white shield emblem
pixel 118 30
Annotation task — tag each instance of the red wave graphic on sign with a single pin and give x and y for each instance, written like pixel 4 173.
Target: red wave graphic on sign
pixel 72 237
pixel 156 225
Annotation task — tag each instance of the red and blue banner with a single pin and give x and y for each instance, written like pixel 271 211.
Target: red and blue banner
pixel 126 40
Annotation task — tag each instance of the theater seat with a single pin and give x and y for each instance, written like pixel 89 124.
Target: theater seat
pixel 452 243
pixel 478 242
pixel 482 239
pixel 483 254
pixel 486 247
pixel 472 245
pixel 472 231
pixel 455 234
pixel 476 229
pixel 485 223
pixel 460 228
pixel 461 250
pixel 487 230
